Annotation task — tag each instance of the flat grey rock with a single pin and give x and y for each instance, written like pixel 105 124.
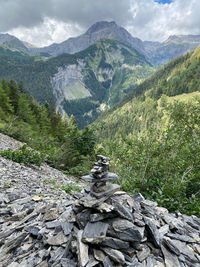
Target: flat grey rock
pixel 95 232
pixel 143 253
pixel 83 250
pixel 67 263
pixel 107 262
pixel 99 254
pixel 171 260
pixel 122 211
pixel 52 224
pixel 95 217
pixel 153 231
pixel 115 255
pixel 67 227
pixel 57 240
pixel 115 243
pixel 109 190
pixel 131 234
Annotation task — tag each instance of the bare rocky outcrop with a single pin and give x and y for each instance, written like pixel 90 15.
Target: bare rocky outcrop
pixel 101 226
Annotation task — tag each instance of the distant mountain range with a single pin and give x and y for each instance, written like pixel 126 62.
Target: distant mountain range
pixel 157 53
pixel 87 75
pixel 83 84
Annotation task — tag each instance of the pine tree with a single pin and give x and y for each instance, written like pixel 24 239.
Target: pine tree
pixel 24 110
pixel 13 94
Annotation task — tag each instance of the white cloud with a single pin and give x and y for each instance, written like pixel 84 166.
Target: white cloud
pixel 47 21
pixel 152 21
pixel 50 31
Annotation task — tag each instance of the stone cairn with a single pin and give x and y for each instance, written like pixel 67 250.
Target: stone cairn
pixel 102 227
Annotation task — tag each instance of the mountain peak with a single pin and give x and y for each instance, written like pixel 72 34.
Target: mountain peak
pixel 99 25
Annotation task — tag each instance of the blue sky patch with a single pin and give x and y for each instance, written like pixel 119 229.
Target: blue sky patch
pixel 163 1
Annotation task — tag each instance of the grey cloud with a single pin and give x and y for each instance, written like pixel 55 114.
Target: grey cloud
pixel 46 21
pixel 29 13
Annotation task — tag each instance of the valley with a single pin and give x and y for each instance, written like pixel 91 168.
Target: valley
pixel 109 99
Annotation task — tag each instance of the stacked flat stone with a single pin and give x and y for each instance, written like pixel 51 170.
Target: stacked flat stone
pixel 100 176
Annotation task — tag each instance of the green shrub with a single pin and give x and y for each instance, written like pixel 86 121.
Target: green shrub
pixel 71 187
pixel 23 155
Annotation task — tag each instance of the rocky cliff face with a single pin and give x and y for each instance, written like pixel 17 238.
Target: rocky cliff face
pixel 106 72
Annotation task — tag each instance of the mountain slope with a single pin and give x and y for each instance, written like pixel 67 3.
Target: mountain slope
pixel 138 110
pixel 13 43
pixel 98 31
pixel 153 135
pixel 83 84
pixel 176 45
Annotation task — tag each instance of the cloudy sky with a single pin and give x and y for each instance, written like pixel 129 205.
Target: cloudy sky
pixel 42 22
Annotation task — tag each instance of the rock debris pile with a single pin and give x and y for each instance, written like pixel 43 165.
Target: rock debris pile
pixel 102 226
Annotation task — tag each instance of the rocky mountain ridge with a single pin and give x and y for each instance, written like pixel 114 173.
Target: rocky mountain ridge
pixel 13 43
pixel 157 53
pixel 41 225
pixel 98 31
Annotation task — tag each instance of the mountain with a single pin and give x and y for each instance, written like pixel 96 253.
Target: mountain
pixel 138 110
pixel 98 31
pixel 176 45
pixel 12 43
pixel 157 53
pixel 83 84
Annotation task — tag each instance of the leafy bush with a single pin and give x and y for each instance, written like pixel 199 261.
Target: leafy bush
pixel 71 187
pixel 163 164
pixel 23 155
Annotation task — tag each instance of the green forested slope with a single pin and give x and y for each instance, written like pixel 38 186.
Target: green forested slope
pixel 111 70
pixel 58 139
pixel 153 136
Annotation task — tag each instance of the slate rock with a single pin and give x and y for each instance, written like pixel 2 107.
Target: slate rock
pixel 153 232
pixel 67 263
pixel 131 234
pixel 143 253
pixel 95 217
pixel 115 243
pixel 122 211
pixel 179 247
pixel 99 254
pixel 115 255
pixel 109 190
pixel 83 256
pixel 171 260
pixel 57 240
pixel 33 230
pixel 52 224
pixel 95 232
pixel 83 217
pixel 67 227
pixel 107 262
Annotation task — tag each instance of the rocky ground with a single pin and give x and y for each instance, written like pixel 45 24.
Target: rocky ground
pixel 41 225
pixel 34 180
